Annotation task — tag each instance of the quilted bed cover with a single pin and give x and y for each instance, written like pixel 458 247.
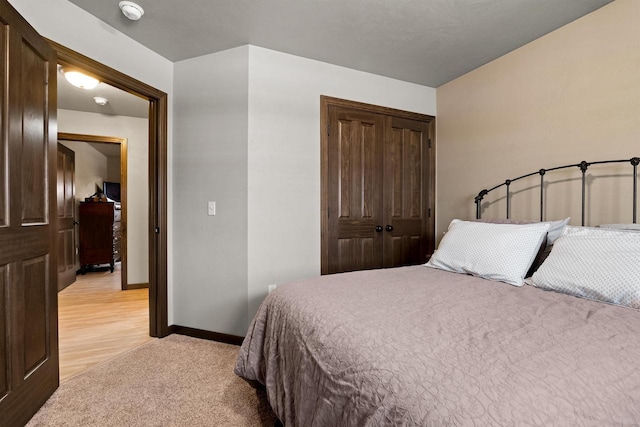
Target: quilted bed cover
pixel 415 346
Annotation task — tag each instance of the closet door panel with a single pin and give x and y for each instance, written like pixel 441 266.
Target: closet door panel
pixel 354 197
pixel 406 204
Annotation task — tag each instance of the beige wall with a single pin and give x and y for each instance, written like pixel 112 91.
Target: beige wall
pixel 571 95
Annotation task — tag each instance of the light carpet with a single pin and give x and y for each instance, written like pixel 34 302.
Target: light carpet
pixel 174 381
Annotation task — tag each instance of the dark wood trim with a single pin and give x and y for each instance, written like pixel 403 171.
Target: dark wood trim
pixel 432 188
pixel 325 103
pixel 63 136
pixel 136 286
pixel 158 110
pixel 206 335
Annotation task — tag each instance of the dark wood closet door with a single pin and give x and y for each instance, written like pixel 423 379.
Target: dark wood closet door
pixel 28 220
pixel 378 187
pixel 354 196
pixel 407 212
pixel 66 217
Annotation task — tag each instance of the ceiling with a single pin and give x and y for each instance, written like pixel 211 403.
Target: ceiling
pixel 120 103
pixel 427 42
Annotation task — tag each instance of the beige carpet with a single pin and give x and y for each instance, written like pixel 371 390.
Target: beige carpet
pixel 174 381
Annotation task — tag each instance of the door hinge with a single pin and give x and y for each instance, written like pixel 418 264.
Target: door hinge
pixel 429 140
pixel 328 129
pixel 429 212
pixel 328 212
pixel 157 230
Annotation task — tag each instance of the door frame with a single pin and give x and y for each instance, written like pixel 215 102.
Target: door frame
pixel 325 103
pixel 63 136
pixel 158 111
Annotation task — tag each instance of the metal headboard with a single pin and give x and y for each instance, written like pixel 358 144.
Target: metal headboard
pixel 583 168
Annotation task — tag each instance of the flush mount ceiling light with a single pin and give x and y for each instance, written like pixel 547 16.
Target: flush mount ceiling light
pixel 78 79
pixel 131 10
pixel 100 100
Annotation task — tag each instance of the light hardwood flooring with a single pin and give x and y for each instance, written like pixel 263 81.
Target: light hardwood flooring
pixel 98 321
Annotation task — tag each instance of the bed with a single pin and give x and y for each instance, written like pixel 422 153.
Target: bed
pixel 428 346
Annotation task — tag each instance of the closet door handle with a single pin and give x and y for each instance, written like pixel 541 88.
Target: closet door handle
pixel 378 228
pixel 389 227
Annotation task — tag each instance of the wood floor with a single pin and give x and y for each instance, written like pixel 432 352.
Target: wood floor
pixel 98 321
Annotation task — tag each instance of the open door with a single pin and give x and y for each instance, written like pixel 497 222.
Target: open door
pixel 28 220
pixel 66 217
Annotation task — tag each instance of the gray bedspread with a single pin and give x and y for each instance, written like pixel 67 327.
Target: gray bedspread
pixel 417 346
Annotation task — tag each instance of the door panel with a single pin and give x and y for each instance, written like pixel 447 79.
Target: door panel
pixel 407 158
pixel 29 226
pixel 34 141
pixel 36 284
pixel 355 174
pixel 4 149
pixel 67 264
pixel 4 371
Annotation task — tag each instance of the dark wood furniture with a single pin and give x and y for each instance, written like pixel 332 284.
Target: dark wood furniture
pixel 100 234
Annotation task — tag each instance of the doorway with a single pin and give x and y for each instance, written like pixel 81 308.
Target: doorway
pixel 115 145
pixel 158 104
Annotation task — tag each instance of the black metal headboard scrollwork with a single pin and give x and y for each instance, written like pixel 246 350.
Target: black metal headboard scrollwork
pixel 583 166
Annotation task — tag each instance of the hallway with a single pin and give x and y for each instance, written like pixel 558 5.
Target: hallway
pixel 98 321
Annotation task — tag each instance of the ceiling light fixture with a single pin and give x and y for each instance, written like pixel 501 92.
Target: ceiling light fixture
pixel 131 10
pixel 100 100
pixel 79 79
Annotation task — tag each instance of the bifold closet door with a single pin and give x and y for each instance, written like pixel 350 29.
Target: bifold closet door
pixel 378 189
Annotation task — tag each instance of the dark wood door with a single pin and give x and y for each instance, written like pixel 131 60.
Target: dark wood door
pixel 28 220
pixel 407 196
pixel 355 181
pixel 378 187
pixel 67 259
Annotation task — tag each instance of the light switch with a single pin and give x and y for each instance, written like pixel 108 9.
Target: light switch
pixel 211 208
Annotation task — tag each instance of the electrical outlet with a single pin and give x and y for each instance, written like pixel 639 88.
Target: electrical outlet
pixel 211 208
pixel 272 288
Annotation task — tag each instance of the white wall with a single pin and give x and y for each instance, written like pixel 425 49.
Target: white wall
pixel 247 127
pixel 67 24
pixel 113 169
pixel 136 131
pixel 90 168
pixel 210 161
pixel 284 156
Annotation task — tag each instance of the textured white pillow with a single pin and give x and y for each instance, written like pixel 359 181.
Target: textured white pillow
pixel 630 227
pixel 555 227
pixel 501 252
pixel 555 230
pixel 594 263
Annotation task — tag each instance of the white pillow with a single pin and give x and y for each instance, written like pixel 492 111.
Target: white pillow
pixel 555 230
pixel 555 227
pixel 630 227
pixel 594 263
pixel 501 252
